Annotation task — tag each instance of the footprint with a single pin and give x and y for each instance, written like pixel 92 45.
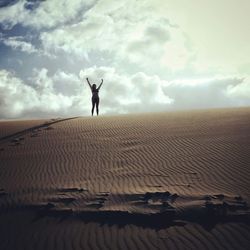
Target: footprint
pixel 48 128
pixel 221 204
pixel 156 196
pixel 159 201
pixel 72 190
pixel 94 204
pixel 103 194
pixel 34 134
pixel 16 141
pixel 65 195
pixel 64 200
pixel 99 200
pixel 2 192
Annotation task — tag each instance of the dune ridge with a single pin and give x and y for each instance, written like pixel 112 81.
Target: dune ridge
pixel 147 181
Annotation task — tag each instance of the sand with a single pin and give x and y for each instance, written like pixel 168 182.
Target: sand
pixel 174 180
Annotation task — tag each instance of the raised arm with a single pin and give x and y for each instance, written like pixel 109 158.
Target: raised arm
pixel 100 84
pixel 88 83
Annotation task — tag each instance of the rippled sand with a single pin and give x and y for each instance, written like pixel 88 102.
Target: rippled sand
pixel 176 180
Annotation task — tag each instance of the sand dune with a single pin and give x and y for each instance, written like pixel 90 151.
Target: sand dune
pixel 175 180
pixel 11 127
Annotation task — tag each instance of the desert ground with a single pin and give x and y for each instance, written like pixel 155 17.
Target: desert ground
pixel 170 180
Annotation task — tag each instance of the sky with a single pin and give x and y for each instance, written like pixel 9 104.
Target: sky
pixel 154 55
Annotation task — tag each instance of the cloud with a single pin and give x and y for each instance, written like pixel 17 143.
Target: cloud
pixel 140 92
pixel 123 93
pixel 65 94
pixel 146 41
pixel 240 91
pixel 42 14
pixel 17 43
pixel 14 96
pixel 208 93
pixel 43 97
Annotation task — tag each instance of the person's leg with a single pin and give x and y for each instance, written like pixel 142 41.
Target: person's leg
pixel 97 106
pixel 93 106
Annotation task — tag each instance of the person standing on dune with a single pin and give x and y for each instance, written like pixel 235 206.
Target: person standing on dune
pixel 95 96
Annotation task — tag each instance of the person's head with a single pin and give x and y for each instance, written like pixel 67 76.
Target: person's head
pixel 94 87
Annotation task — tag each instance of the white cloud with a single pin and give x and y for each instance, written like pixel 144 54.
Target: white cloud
pixel 46 14
pixel 64 94
pixel 16 43
pixel 145 40
pixel 140 92
pixel 18 99
pixel 240 91
pixel 208 92
pixel 218 31
pixel 122 93
pixel 14 96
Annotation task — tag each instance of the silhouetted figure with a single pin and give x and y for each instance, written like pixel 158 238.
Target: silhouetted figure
pixel 95 96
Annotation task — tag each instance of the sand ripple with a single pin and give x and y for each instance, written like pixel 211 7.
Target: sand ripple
pixel 157 181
